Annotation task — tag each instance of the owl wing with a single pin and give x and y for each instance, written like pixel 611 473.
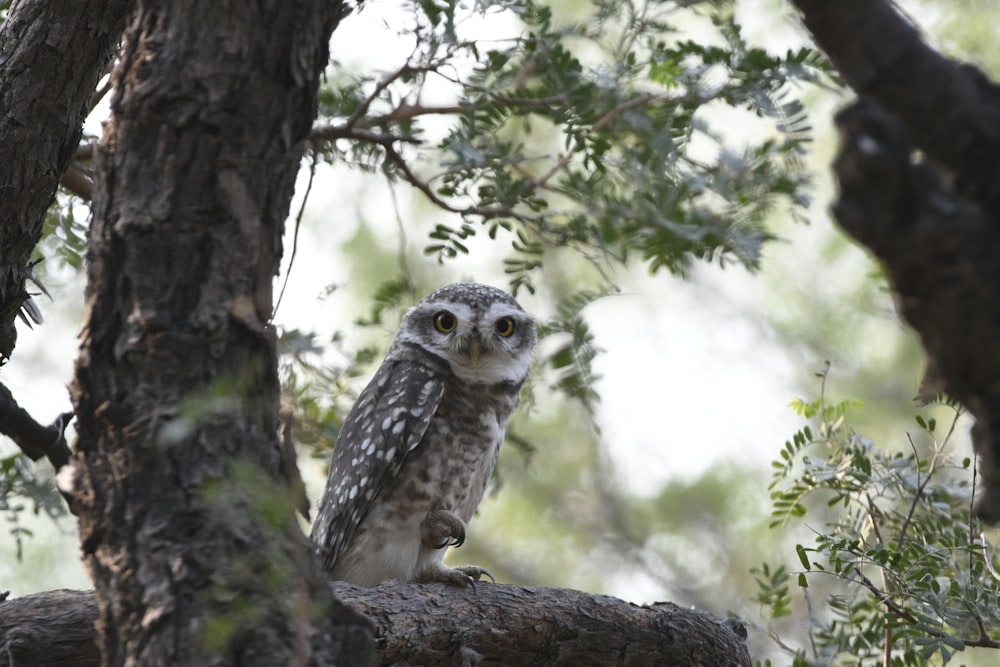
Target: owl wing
pixel 388 420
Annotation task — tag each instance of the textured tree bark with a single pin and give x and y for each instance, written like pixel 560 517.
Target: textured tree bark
pixel 435 624
pixel 186 519
pixel 52 55
pixel 934 219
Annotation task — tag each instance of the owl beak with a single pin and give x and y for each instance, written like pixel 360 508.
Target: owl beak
pixel 474 349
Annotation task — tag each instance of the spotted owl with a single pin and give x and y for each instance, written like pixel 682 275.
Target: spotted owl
pixel 417 450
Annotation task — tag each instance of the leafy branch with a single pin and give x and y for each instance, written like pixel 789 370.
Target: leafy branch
pixel 591 155
pixel 901 519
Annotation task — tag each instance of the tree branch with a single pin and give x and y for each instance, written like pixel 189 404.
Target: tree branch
pixel 53 55
pixel 885 598
pixel 34 439
pixel 940 253
pixel 933 222
pixel 78 182
pixel 950 109
pixel 436 624
pixel 326 133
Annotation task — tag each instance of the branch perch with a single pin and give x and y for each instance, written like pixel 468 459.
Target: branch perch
pixel 435 624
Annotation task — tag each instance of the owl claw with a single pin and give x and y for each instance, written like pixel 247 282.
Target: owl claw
pixel 475 573
pixel 442 528
pixel 467 575
pixel 459 541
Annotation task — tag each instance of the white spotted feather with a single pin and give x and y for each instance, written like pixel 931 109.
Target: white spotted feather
pixel 383 445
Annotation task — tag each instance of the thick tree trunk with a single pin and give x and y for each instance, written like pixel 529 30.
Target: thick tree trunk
pixel 934 221
pixel 440 625
pixel 52 55
pixel 186 518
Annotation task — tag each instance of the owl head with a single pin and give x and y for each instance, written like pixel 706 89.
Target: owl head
pixel 480 331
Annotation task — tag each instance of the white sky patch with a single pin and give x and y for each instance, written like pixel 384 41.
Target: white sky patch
pixel 687 380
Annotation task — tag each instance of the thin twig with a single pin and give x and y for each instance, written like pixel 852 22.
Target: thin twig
pixel 984 641
pixel 404 265
pixel 810 631
pixel 295 235
pixel 382 85
pixel 983 635
pixel 972 506
pixel 409 111
pixel 987 558
pixel 887 644
pixel 327 133
pixel 920 488
pixel 417 182
pixel 871 516
pixel 887 649
pixel 885 599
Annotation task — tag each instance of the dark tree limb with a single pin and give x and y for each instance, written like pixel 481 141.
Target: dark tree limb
pixel 934 219
pixel 34 439
pixel 942 255
pixel 78 182
pixel 52 55
pixel 951 110
pixel 49 629
pixel 435 624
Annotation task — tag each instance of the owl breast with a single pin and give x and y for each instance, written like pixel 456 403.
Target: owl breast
pixel 449 469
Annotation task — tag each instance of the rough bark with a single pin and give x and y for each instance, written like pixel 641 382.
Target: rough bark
pixel 186 519
pixel 434 624
pixel 932 218
pixel 52 55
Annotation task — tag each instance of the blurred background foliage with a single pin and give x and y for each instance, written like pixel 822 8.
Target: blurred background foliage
pixel 651 180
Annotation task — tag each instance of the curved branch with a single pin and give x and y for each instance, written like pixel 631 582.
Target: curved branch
pixel 78 182
pixel 951 109
pixel 34 439
pixel 437 624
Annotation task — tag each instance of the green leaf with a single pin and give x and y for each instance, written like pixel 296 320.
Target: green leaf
pixel 803 557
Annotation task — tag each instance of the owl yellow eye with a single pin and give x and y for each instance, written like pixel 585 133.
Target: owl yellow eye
pixel 505 326
pixel 445 322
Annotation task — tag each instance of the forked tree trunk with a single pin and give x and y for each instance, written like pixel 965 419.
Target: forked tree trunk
pixel 186 518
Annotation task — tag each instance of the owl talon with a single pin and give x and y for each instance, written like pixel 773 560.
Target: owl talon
pixel 475 573
pixel 467 575
pixel 440 527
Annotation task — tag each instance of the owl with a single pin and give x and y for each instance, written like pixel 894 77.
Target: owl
pixel 417 450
